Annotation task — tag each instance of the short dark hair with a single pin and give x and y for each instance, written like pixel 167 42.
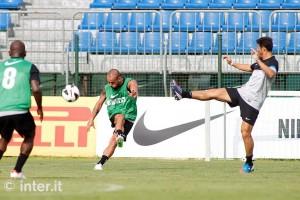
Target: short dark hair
pixel 266 42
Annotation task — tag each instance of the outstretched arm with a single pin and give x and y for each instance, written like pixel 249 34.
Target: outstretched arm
pixel 96 110
pixel 242 67
pixel 133 88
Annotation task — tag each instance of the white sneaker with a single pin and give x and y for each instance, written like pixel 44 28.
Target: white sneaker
pixel 98 167
pixel 14 174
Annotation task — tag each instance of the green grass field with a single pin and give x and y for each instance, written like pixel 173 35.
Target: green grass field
pixel 130 179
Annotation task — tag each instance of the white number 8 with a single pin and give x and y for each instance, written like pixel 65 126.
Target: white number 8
pixel 9 79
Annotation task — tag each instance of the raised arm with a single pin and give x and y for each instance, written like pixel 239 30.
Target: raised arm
pixel 133 88
pixel 242 67
pixel 96 110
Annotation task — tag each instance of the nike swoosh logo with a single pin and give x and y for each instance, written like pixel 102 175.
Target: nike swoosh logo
pixel 113 96
pixel 12 63
pixel 146 137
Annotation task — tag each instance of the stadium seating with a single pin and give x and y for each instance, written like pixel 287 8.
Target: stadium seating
pixel 284 21
pixel 212 21
pixel 148 4
pixel 124 4
pixel 245 4
pixel 172 4
pixel 201 42
pixel 150 43
pixel 188 21
pixel 141 22
pixel 102 4
pixel 5 21
pixel 106 42
pixel 279 41
pixel 294 43
pixel 85 41
pixel 221 4
pixel 117 22
pixel 247 41
pixel 236 21
pixel 165 14
pixel 254 21
pixel 197 4
pixel 269 4
pixel 11 4
pixel 291 4
pixel 229 43
pixel 178 42
pixel 128 42
pixel 92 21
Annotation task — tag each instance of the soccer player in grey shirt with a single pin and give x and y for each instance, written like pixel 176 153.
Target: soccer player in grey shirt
pixel 249 97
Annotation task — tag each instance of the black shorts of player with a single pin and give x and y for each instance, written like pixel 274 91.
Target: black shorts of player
pixel 127 127
pixel 248 113
pixel 22 123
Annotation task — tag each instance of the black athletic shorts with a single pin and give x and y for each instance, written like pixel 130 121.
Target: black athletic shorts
pixel 248 113
pixel 127 127
pixel 22 123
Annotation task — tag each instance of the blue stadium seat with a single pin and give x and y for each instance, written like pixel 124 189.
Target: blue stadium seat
pixel 172 4
pixel 92 21
pixel 179 42
pixel 149 4
pixel 229 42
pixel 11 4
pixel 129 42
pixel 291 4
pixel 294 43
pixel 212 21
pixel 150 43
pixel 221 4
pixel 247 41
pixel 201 42
pixel 269 4
pixel 197 4
pixel 102 4
pixel 85 41
pixel 236 21
pixel 279 42
pixel 245 4
pixel 141 21
pixel 188 21
pixel 117 22
pixel 284 21
pixel 106 42
pixel 124 4
pixel 165 14
pixel 5 21
pixel 254 21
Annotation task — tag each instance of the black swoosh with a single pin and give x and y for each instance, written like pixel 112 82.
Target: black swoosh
pixel 146 137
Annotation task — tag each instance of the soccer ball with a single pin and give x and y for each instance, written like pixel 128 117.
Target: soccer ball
pixel 70 93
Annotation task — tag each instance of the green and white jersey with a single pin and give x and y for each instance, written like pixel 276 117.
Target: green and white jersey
pixel 15 87
pixel 118 101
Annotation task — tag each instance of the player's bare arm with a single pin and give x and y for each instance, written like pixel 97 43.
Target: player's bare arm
pixel 133 87
pixel 242 67
pixel 96 110
pixel 37 93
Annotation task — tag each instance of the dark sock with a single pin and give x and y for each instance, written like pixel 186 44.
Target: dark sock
pixel 249 159
pixel 186 94
pixel 118 132
pixel 1 154
pixel 103 160
pixel 20 162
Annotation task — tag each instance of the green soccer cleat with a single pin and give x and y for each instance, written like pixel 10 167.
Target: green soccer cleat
pixel 120 141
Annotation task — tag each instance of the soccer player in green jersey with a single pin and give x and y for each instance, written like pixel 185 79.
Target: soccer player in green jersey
pixel 120 95
pixel 18 79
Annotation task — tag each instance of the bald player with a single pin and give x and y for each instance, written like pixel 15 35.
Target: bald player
pixel 18 79
pixel 120 95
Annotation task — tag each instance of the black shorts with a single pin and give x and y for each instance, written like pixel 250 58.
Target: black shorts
pixel 127 127
pixel 22 123
pixel 248 113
